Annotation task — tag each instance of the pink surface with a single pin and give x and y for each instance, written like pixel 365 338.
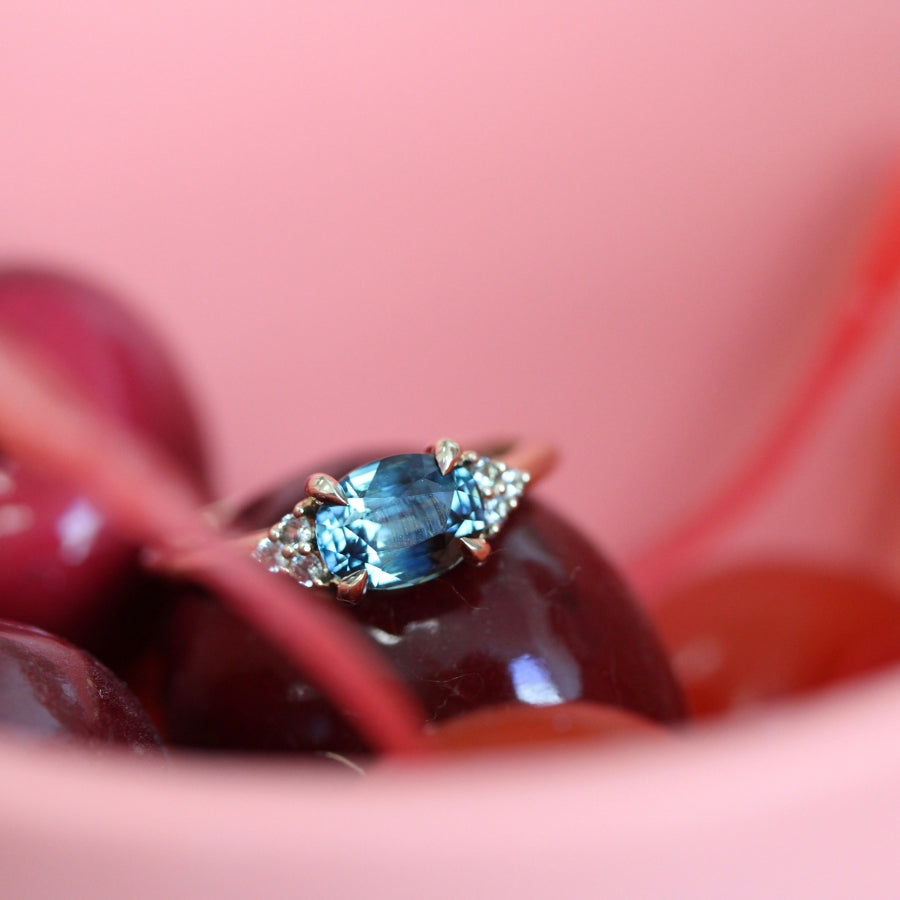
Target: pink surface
pixel 620 225
pixel 774 809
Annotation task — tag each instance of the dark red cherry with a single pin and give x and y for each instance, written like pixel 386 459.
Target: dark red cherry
pixel 518 725
pixel 52 690
pixel 757 633
pixel 545 620
pixel 62 566
pixel 109 352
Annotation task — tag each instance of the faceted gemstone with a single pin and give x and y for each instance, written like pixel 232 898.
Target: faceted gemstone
pixel 402 521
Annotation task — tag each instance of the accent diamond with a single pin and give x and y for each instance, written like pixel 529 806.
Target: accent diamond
pixel 289 548
pixel 501 487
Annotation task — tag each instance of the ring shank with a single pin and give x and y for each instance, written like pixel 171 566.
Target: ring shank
pixel 538 459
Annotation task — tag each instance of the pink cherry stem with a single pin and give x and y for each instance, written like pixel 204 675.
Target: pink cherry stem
pixel 869 295
pixel 44 421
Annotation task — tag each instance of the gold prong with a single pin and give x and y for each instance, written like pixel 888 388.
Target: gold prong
pixel 353 586
pixel 325 488
pixel 304 506
pixel 477 548
pixel 447 454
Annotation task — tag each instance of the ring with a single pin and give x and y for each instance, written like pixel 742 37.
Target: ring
pixel 401 520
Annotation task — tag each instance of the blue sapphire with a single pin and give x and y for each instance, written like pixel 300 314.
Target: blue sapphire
pixel 402 521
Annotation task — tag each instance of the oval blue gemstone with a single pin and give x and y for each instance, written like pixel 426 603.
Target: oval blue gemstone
pixel 402 522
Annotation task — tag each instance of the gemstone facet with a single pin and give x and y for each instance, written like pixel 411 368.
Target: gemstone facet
pixel 402 522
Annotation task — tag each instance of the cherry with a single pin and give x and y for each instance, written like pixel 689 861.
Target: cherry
pixel 545 620
pixel 52 690
pixel 52 426
pixel 517 725
pixel 62 565
pixel 760 632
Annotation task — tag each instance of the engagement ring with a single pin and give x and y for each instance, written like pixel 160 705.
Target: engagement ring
pixel 401 520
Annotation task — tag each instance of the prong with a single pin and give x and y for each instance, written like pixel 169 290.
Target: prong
pixel 477 548
pixel 304 507
pixel 353 586
pixel 447 454
pixel 325 488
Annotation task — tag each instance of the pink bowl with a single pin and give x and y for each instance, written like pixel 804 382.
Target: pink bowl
pixel 798 804
pixel 622 227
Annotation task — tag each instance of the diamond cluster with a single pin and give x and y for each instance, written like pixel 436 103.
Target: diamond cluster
pixel 292 545
pixel 501 487
pixel 290 548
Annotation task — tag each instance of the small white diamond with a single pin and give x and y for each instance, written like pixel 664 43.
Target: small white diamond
pixel 295 529
pixel 267 552
pixel 513 482
pixel 289 549
pixel 308 569
pixel 500 488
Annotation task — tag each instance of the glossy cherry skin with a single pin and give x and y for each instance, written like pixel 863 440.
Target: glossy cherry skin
pixel 49 689
pixel 544 620
pixel 62 566
pixel 757 633
pixel 518 725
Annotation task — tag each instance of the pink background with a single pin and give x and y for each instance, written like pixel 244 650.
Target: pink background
pixel 620 225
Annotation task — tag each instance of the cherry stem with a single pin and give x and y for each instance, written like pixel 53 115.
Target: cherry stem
pixel 869 295
pixel 48 424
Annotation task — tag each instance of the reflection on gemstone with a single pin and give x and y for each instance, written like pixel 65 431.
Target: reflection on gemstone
pixel 402 521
